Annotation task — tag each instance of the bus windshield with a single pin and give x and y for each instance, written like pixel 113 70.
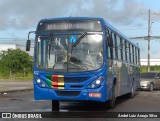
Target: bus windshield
pixel 57 53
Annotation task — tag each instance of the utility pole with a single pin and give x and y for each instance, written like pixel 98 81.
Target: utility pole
pixel 149 29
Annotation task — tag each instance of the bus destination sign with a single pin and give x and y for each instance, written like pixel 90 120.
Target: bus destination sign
pixel 73 25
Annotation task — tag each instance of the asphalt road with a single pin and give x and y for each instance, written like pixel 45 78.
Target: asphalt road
pixel 23 101
pixel 15 85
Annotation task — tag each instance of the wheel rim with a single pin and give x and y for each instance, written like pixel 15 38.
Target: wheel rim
pixel 132 90
pixel 151 87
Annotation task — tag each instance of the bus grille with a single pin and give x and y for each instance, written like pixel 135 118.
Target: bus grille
pixel 75 79
pixel 66 79
pixel 68 93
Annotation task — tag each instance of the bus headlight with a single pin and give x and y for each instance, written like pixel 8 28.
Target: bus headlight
pixel 38 81
pixel 97 83
pixel 41 83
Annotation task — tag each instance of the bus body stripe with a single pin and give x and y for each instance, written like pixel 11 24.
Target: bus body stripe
pixel 60 87
pixel 61 80
pixel 57 81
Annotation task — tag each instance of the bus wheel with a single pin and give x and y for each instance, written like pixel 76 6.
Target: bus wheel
pixel 55 105
pixel 151 87
pixel 132 93
pixel 113 99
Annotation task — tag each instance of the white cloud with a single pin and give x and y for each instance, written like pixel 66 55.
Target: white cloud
pixel 24 14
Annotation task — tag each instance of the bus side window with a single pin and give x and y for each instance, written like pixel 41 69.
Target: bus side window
pixel 127 49
pixel 109 41
pixel 125 45
pixel 123 49
pixel 118 47
pixel 114 45
pixel 135 55
pixel 109 44
pixel 138 57
pixel 131 54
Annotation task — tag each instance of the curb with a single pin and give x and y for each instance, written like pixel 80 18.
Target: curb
pixel 12 91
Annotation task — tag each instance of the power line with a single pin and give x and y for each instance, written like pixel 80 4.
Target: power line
pixel 139 29
pixel 146 37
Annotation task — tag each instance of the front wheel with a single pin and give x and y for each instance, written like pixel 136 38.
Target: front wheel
pixel 55 105
pixel 112 102
pixel 151 87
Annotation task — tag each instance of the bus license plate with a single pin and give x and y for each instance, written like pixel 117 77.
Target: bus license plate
pixel 95 94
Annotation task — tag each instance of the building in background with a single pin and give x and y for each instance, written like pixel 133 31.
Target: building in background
pixel 15 46
pixel 153 62
pixel 7 46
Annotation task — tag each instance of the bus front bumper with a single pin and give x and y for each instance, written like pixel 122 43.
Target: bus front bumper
pixel 98 94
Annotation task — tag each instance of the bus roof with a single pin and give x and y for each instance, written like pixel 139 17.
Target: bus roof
pixel 104 23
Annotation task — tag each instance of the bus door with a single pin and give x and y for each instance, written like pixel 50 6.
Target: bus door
pixel 109 46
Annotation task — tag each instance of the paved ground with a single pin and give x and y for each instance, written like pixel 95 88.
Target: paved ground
pixel 13 86
pixel 23 101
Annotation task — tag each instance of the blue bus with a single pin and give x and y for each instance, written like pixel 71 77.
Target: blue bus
pixel 83 59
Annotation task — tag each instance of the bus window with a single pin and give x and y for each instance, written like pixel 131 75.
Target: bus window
pixel 137 52
pixel 133 54
pixel 121 48
pixel 126 50
pixel 107 42
pixel 39 51
pixel 118 47
pixel 114 48
pixel 136 56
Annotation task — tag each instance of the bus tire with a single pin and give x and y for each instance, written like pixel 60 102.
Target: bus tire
pixel 55 105
pixel 112 101
pixel 132 93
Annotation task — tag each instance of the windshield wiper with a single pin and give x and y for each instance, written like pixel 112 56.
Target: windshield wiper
pixel 79 39
pixel 77 42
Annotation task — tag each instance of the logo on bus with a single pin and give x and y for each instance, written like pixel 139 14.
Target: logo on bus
pixel 73 39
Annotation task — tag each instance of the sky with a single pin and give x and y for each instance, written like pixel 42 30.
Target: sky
pixel 18 17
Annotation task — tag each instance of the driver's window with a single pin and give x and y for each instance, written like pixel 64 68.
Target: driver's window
pixel 108 44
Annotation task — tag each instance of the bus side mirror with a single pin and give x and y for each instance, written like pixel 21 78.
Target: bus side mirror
pixel 28 45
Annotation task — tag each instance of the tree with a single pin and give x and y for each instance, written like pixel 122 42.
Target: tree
pixel 15 61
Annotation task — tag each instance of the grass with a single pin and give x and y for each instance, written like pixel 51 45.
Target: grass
pixel 16 77
pixel 152 68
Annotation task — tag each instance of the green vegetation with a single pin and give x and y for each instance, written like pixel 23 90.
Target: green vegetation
pixel 15 64
pixel 152 68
